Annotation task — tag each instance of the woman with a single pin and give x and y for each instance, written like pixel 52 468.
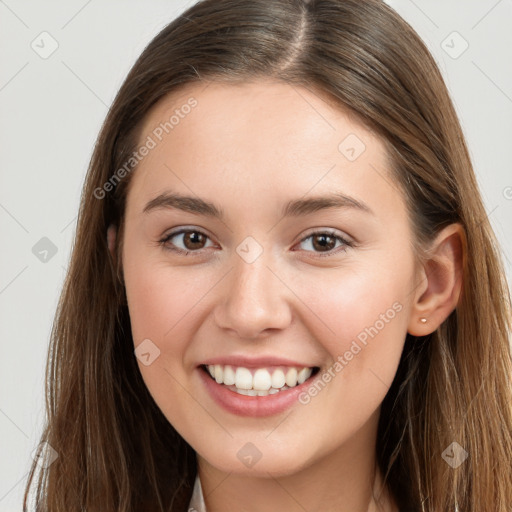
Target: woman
pixel 284 293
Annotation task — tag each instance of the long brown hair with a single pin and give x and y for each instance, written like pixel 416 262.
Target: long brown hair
pixel 116 450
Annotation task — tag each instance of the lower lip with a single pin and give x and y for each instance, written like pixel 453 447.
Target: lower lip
pixel 255 406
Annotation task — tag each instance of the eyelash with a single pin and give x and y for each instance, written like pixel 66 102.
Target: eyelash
pixel 346 243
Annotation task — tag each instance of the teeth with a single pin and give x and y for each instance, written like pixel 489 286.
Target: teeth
pixel 262 380
pixel 243 378
pixel 259 382
pixel 291 377
pixel 304 375
pixel 229 375
pixel 253 392
pixel 278 379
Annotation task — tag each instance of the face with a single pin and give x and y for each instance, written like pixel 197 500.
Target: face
pixel 266 241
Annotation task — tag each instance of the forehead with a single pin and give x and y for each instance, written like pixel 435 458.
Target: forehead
pixel 257 138
pixel 253 113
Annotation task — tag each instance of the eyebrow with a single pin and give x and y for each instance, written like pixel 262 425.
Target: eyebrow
pixel 293 208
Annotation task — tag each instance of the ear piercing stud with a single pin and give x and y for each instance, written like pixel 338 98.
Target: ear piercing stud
pixel 423 320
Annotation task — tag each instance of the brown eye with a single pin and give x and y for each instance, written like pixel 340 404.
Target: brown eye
pixel 185 240
pixel 193 240
pixel 325 242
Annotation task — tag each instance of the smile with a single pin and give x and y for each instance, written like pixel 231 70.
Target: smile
pixel 259 381
pixel 256 391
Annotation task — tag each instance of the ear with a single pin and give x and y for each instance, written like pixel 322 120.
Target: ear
pixel 441 281
pixel 111 240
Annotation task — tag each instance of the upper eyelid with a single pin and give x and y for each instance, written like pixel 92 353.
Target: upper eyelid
pixel 329 231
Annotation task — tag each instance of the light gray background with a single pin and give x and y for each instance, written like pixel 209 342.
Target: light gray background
pixel 51 112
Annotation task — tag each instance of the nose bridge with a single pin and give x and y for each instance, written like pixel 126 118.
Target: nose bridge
pixel 254 299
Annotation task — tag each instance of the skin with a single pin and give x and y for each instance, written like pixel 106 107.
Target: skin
pixel 249 149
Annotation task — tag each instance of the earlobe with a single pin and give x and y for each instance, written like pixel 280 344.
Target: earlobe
pixel 111 239
pixel 442 282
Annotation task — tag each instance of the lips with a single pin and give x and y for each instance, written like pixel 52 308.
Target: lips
pixel 252 402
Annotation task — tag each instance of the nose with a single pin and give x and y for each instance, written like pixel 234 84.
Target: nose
pixel 254 299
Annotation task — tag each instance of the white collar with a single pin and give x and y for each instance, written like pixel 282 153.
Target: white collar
pixel 197 501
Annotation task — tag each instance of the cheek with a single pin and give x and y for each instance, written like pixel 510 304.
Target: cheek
pixel 163 306
pixel 159 300
pixel 356 304
pixel 364 318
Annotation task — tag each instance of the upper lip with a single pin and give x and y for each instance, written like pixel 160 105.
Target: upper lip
pixel 255 362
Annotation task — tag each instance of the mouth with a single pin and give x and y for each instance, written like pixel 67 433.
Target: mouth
pixel 259 382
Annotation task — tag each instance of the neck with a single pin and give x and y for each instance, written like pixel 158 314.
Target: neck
pixel 342 480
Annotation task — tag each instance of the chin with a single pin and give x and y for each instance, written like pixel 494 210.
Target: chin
pixel 249 460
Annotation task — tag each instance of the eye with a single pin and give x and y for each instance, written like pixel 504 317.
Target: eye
pixel 192 240
pixel 325 242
